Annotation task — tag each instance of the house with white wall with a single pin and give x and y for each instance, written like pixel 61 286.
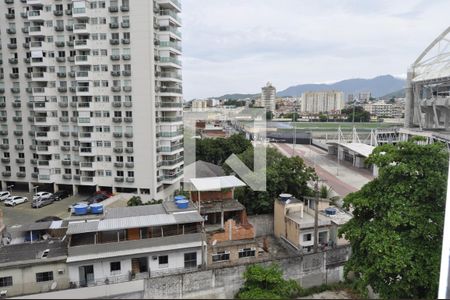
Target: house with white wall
pixel 135 242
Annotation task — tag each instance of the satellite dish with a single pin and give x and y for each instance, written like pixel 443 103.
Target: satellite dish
pixel 54 285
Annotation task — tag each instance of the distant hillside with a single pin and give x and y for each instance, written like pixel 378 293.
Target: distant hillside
pixel 399 94
pixel 237 96
pixel 379 86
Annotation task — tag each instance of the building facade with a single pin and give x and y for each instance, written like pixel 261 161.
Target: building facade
pixel 91 95
pixel 268 96
pixel 383 109
pixel 322 102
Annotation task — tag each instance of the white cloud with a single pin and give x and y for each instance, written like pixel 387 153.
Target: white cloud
pixel 237 46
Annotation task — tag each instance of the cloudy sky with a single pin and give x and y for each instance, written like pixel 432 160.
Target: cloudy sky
pixel 236 46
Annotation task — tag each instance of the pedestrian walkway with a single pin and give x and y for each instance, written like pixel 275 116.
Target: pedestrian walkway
pixel 342 178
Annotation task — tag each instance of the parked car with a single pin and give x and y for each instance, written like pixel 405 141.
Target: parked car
pixel 59 195
pixel 42 195
pixel 14 200
pixel 96 198
pixel 40 202
pixel 4 195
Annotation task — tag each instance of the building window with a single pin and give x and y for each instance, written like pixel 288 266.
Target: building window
pixel 247 252
pixel 115 266
pixel 44 276
pixel 221 256
pixel 163 261
pixel 307 237
pixel 6 281
pixel 190 260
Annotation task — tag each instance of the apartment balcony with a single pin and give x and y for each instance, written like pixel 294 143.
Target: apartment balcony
pixel 19 147
pixel 115 73
pixel 173 46
pixel 81 28
pixel 82 44
pixel 26 45
pixel 46 135
pixel 115 57
pixel 124 8
pixel 125 41
pixel 172 178
pixel 173 31
pixel 118 164
pixel 118 179
pixel 5 160
pixel 9 1
pixel 82 75
pixel 127 89
pixel 116 104
pixel 87 179
pixel 61 74
pixel 67 176
pixel 128 120
pixel 113 9
pixel 17 119
pixel 21 174
pixel 64 134
pixel 33 161
pixel 3 132
pixel 75 135
pixel 125 24
pixel 75 148
pixel 171 15
pixel 118 150
pixel 117 120
pixel 24 15
pixel 18 132
pixel 6 173
pixel 58 13
pixel 114 41
pixel 126 56
pixel 170 149
pixel 128 134
pixel 127 104
pixel 4 146
pixel 13 61
pixel 169 76
pixel 129 150
pixel 169 62
pixel 66 162
pixel 129 165
pixel 80 13
pixel 68 12
pixel 47 149
pixel 63 104
pixel 12 46
pixel 86 151
pixel 116 89
pixel 65 148
pixel 170 4
pixel 39 31
pixel 60 44
pixel 70 44
pixel 170 119
pixel 84 60
pixel 41 61
pixel 170 91
pixel 35 175
pixel 172 163
pixel 126 73
pixel 41 76
pixel 87 166
pixel 10 16
pixel 60 59
pixel 25 29
pixel 14 75
pixel 76 177
pixel 3 119
pixel 130 179
pixel 113 25
pixel 35 15
pixel 83 91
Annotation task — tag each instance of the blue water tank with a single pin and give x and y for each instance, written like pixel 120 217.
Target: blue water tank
pixel 182 204
pixel 81 209
pixel 330 211
pixel 96 208
pixel 179 197
pixel 285 197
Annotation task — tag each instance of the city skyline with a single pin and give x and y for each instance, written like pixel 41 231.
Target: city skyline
pixel 234 48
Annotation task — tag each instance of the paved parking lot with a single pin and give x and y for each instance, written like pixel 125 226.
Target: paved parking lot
pixel 24 213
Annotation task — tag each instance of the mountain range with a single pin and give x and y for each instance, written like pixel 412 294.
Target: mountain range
pixel 381 87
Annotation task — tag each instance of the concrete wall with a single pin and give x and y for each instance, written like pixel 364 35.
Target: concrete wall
pixel 262 224
pixel 24 279
pixel 308 270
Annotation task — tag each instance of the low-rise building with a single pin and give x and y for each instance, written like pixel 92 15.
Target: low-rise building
pixel 231 238
pixel 135 242
pixel 383 109
pixel 30 268
pixel 294 223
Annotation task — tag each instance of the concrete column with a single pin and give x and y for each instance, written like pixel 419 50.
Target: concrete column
pixel 30 187
pixel 4 186
pixel 114 190
pixel 97 188
pixel 55 187
pixel 409 105
pixel 75 189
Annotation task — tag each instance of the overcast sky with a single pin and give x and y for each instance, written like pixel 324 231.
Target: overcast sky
pixel 236 46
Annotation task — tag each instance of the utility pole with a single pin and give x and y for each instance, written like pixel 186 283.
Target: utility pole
pixel 294 139
pixel 316 214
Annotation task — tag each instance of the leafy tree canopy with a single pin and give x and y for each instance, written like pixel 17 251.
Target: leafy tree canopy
pixel 360 114
pixel 267 283
pixel 283 175
pixel 217 151
pixel 396 232
pixel 137 201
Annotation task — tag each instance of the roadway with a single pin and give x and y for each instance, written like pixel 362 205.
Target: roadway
pixel 343 178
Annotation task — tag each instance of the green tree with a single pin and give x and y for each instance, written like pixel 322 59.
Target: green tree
pixel 323 118
pixel 137 201
pixel 269 115
pixel 267 283
pixel 396 232
pixel 283 175
pixel 360 114
pixel 216 151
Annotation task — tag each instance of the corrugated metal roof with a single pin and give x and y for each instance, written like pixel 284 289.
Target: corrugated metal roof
pixel 134 211
pixel 56 224
pixel 134 222
pixel 216 183
pixel 360 148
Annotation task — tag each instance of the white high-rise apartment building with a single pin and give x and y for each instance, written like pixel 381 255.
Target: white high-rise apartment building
pixel 322 102
pixel 268 96
pixel 91 95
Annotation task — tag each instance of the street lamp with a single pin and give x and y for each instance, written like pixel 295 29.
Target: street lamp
pixel 294 139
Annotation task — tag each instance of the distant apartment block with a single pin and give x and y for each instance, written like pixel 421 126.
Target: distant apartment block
pixel 322 102
pixel 383 109
pixel 364 96
pixel 91 95
pixel 199 105
pixel 268 96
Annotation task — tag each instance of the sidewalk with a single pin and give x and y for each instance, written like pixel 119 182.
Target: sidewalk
pixel 343 179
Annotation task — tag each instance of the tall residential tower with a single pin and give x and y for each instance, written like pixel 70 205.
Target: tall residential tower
pixel 91 95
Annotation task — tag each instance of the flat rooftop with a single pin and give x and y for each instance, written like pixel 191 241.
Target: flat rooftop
pixel 308 220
